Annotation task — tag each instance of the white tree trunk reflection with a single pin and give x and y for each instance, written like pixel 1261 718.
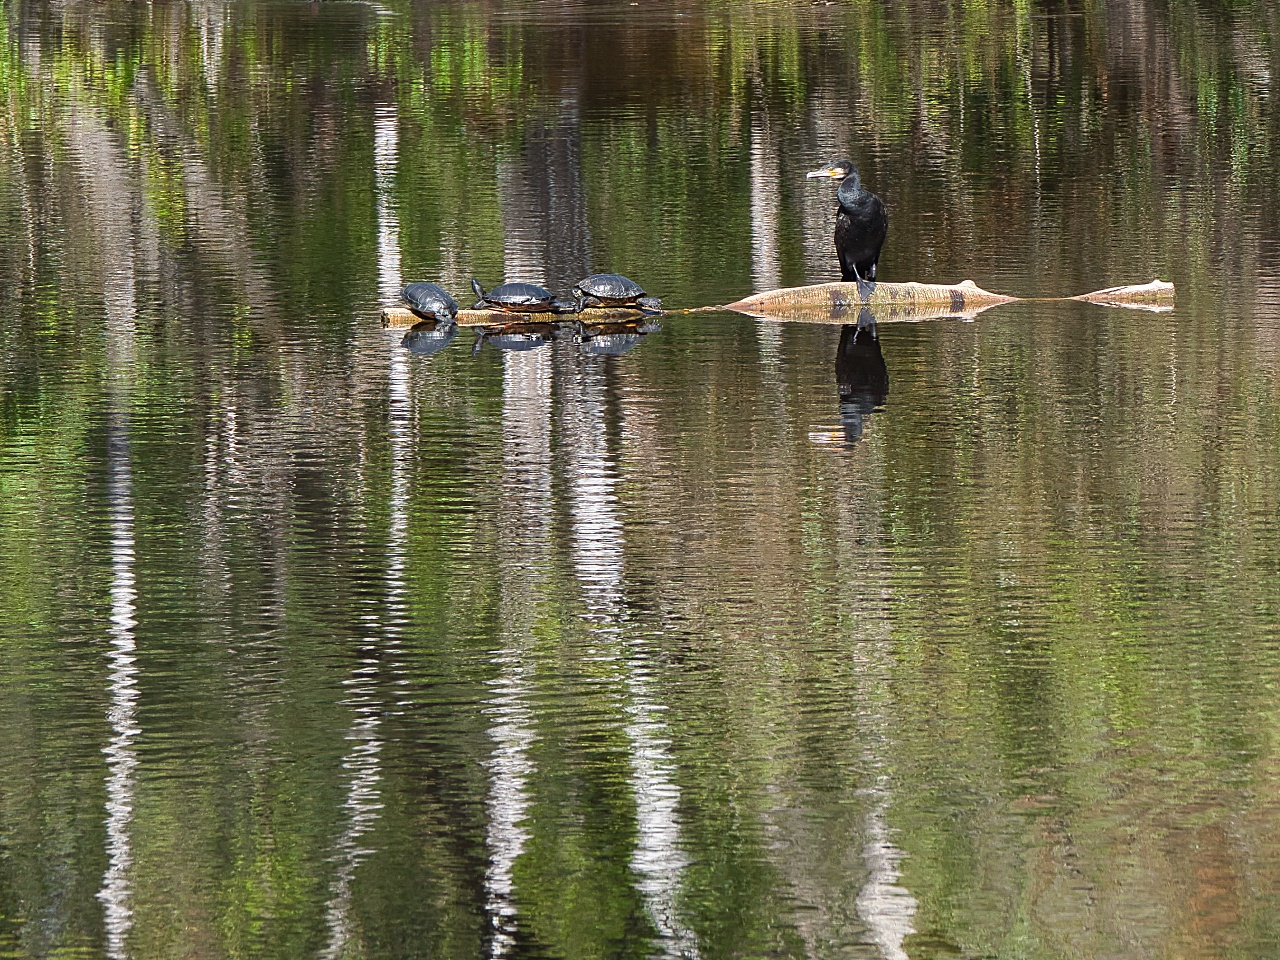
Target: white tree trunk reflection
pixel 766 180
pixel 766 202
pixel 522 555
pixel 363 760
pixel 886 907
pixel 524 241
pixel 211 23
pixel 598 550
pixel 882 904
pixel 828 124
pixel 122 685
pixel 113 206
pixel 386 157
pixel 364 799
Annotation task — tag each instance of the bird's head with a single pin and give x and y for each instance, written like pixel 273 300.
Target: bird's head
pixel 840 169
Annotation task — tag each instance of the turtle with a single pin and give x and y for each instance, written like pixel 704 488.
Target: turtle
pixel 430 302
pixel 429 337
pixel 614 290
pixel 519 298
pixel 514 336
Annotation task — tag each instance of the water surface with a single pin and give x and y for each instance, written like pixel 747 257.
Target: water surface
pixel 945 639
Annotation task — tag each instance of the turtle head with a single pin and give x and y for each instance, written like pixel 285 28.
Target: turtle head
pixel 840 169
pixel 475 285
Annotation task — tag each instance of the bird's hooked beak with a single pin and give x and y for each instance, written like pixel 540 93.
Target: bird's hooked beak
pixel 834 170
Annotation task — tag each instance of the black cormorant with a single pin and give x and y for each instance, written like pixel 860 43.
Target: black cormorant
pixel 861 223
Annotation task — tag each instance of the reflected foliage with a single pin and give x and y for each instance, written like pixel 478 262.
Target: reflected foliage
pixel 592 644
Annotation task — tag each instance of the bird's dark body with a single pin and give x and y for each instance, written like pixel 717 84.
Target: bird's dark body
pixel 862 223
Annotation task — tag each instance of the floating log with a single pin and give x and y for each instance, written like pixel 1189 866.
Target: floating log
pixel 1156 295
pixel 840 302
pixel 843 302
pixel 402 317
pixel 833 303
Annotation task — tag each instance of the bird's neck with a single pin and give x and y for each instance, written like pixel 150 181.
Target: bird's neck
pixel 850 188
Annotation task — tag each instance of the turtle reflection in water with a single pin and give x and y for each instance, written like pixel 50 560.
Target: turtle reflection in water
pixel 519 298
pixel 613 339
pixel 514 336
pixel 428 337
pixel 614 290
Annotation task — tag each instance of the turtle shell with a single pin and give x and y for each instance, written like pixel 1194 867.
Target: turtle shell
pixel 519 296
pixel 611 288
pixel 430 301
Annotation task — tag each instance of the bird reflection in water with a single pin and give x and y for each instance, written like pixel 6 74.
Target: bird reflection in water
pixel 861 377
pixel 861 374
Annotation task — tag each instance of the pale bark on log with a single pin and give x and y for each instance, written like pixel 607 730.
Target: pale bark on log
pixel 843 302
pixel 838 300
pixel 1156 295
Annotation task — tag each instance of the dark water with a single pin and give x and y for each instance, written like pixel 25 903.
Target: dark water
pixel 940 640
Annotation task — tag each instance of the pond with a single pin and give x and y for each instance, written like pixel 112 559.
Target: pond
pixel 741 638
